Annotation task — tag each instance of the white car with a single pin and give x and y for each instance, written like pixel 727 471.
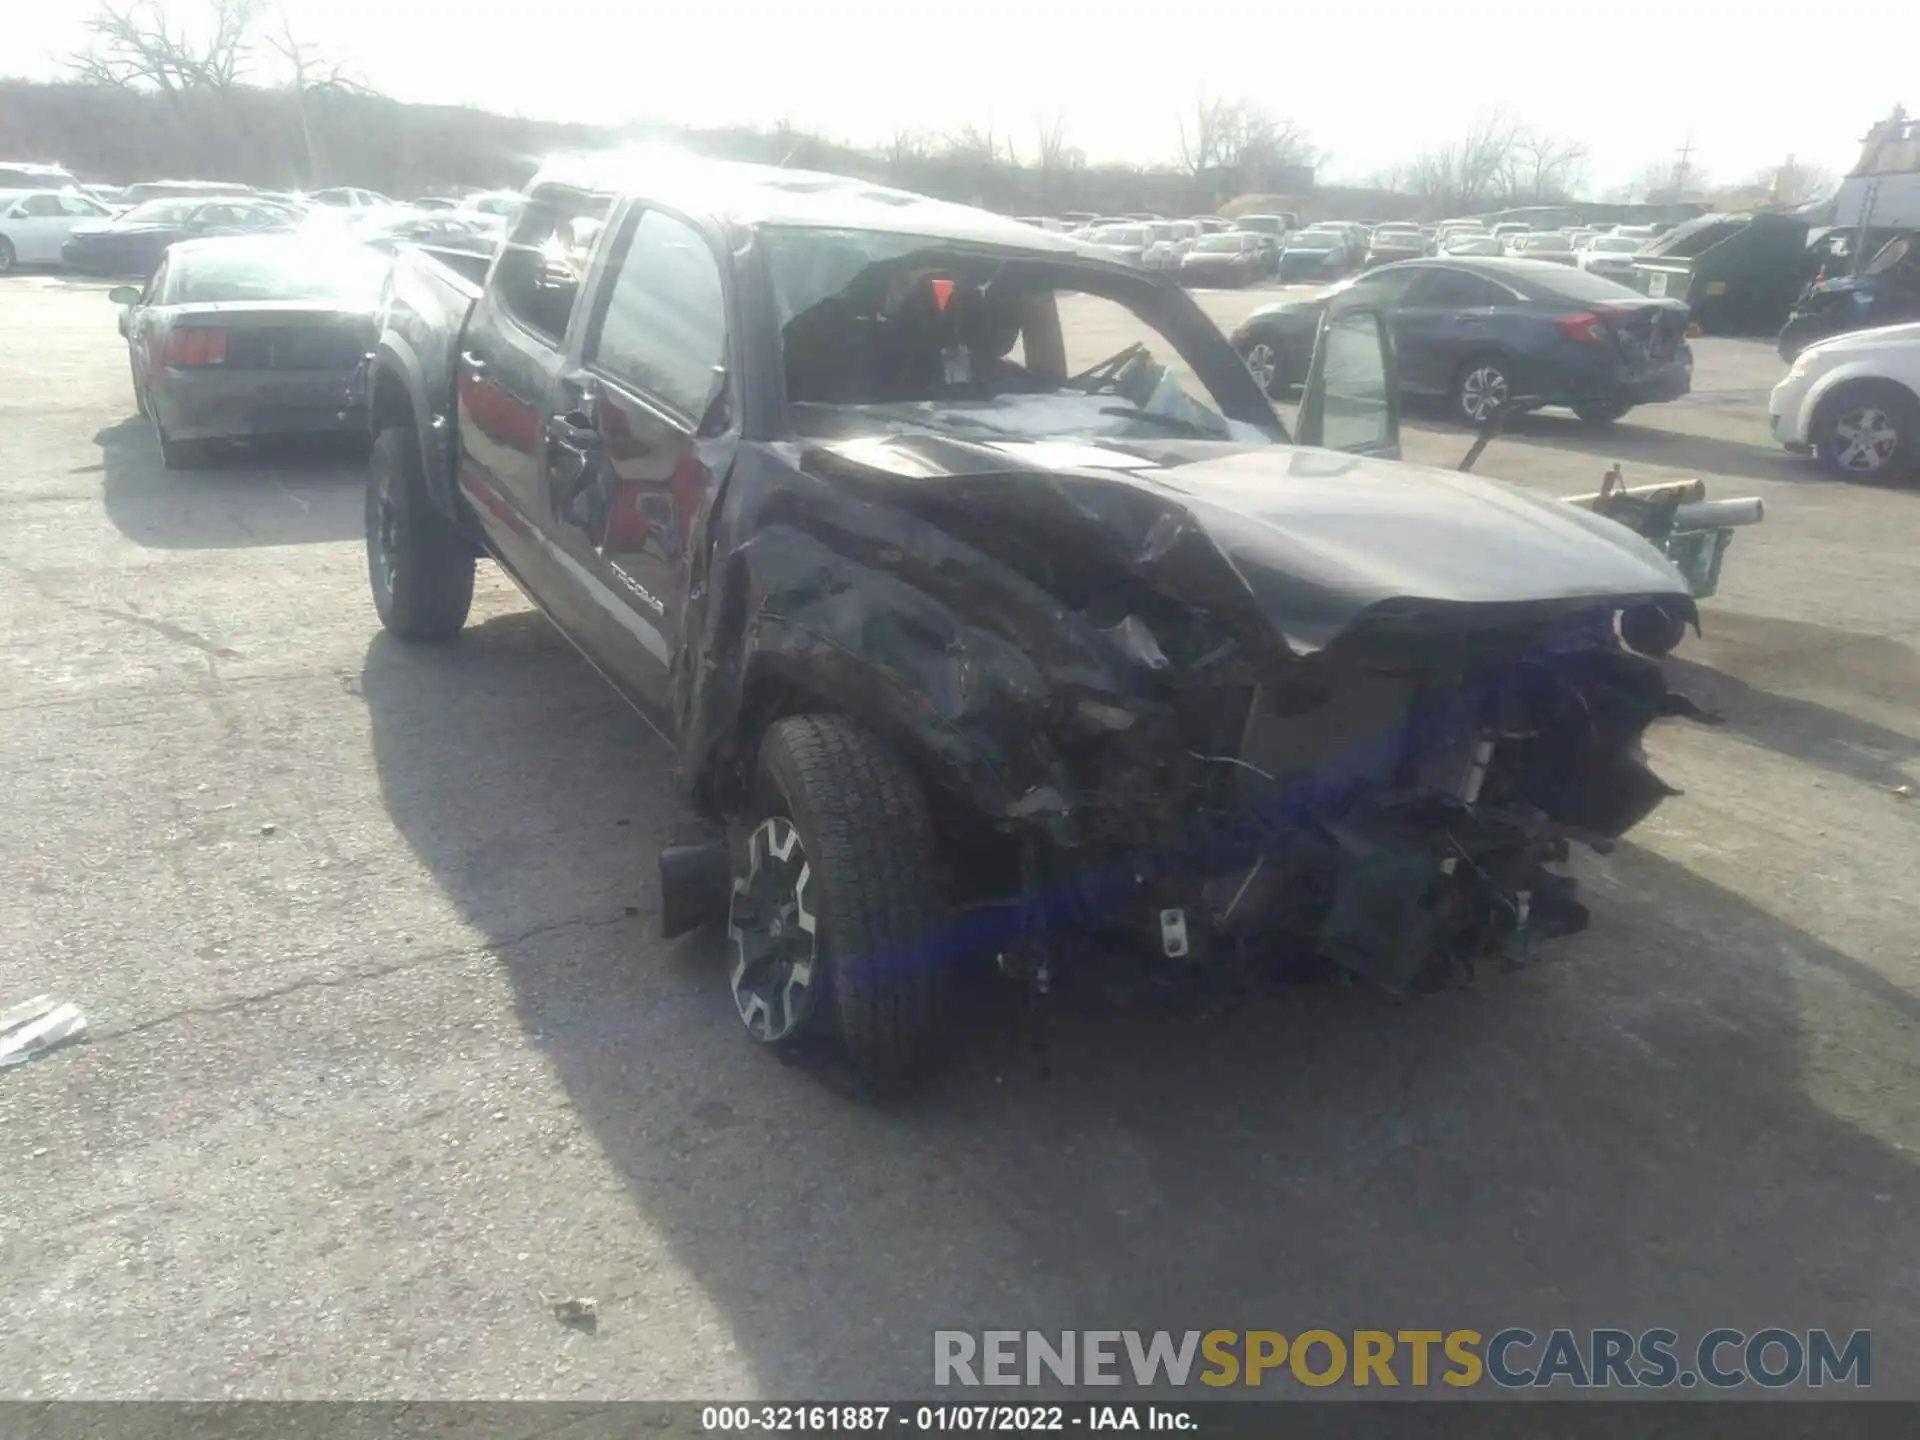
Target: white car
pixel 34 224
pixel 1854 402
pixel 1610 256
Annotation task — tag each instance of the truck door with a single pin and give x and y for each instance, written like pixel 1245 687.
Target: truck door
pixel 506 379
pixel 641 435
pixel 1352 397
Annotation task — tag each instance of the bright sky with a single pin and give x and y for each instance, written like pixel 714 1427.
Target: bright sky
pixel 1371 82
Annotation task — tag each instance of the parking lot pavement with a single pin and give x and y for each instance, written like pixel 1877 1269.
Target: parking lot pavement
pixel 384 1057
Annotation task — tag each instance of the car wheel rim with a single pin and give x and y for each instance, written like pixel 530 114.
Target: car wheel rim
pixel 1260 360
pixel 772 932
pixel 1482 392
pixel 1865 440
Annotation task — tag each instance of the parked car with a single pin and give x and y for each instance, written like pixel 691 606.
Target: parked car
pixel 1853 401
pixel 1172 239
pixel 504 203
pixel 250 335
pixel 794 500
pixel 1548 245
pixel 132 243
pixel 1317 253
pixel 1885 291
pixel 1472 243
pixel 1610 256
pixel 1043 222
pixel 1235 257
pixel 111 196
pixel 388 230
pixel 1477 333
pixel 1126 241
pixel 1395 242
pixel 147 190
pixel 1509 232
pixel 34 224
pixel 347 197
pixel 1449 230
pixel 35 175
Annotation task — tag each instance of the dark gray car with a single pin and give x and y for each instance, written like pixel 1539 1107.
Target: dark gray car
pixel 1478 333
pixel 255 335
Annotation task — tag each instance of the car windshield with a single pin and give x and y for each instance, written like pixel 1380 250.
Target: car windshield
pixel 881 329
pixel 1119 235
pixel 1219 244
pixel 161 212
pixel 272 270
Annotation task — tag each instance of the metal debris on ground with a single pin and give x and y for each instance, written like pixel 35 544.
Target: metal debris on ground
pixel 36 1026
pixel 580 1311
pixel 1905 792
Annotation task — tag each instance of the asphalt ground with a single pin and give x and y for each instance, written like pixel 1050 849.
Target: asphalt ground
pixel 385 1058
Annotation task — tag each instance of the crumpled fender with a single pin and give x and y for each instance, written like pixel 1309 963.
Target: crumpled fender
pixel 813 592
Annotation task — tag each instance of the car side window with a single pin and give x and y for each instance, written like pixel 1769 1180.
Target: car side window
pixel 156 285
pixel 41 207
pixel 544 262
pixel 662 327
pixel 78 208
pixel 1382 288
pixel 1443 289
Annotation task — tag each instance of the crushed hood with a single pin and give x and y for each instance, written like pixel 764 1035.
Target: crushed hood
pixel 1312 542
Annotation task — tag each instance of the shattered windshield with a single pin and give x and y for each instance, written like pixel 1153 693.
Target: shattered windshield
pixel 887 329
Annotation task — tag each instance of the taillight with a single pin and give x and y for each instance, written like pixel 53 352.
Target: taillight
pixel 1590 326
pixel 192 346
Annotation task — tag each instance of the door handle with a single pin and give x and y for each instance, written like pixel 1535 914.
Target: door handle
pixel 476 367
pixel 571 432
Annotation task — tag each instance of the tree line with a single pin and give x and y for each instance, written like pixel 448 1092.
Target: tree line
pixel 237 94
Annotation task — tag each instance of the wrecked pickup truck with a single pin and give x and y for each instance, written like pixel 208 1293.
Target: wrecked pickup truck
pixel 992 608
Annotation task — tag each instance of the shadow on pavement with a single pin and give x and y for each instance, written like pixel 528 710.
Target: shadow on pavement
pixel 294 492
pixel 1646 444
pixel 1734 669
pixel 1632 1133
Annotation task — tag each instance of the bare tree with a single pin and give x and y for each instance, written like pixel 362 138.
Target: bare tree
pixel 1468 170
pixel 1543 167
pixel 313 75
pixel 1662 182
pixel 1205 133
pixel 138 45
pixel 1051 150
pixel 1221 133
pixel 905 146
pixel 1795 182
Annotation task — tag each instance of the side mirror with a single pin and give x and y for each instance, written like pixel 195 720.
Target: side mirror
pixel 1352 396
pixel 124 295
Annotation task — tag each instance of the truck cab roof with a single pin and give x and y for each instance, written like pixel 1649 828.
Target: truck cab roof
pixel 755 195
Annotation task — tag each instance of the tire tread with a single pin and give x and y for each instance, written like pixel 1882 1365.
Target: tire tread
pixel 870 837
pixel 433 587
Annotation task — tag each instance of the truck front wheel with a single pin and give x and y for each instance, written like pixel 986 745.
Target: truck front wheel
pixel 420 567
pixel 838 920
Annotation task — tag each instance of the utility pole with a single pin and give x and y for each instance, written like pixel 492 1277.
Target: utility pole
pixel 1682 170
